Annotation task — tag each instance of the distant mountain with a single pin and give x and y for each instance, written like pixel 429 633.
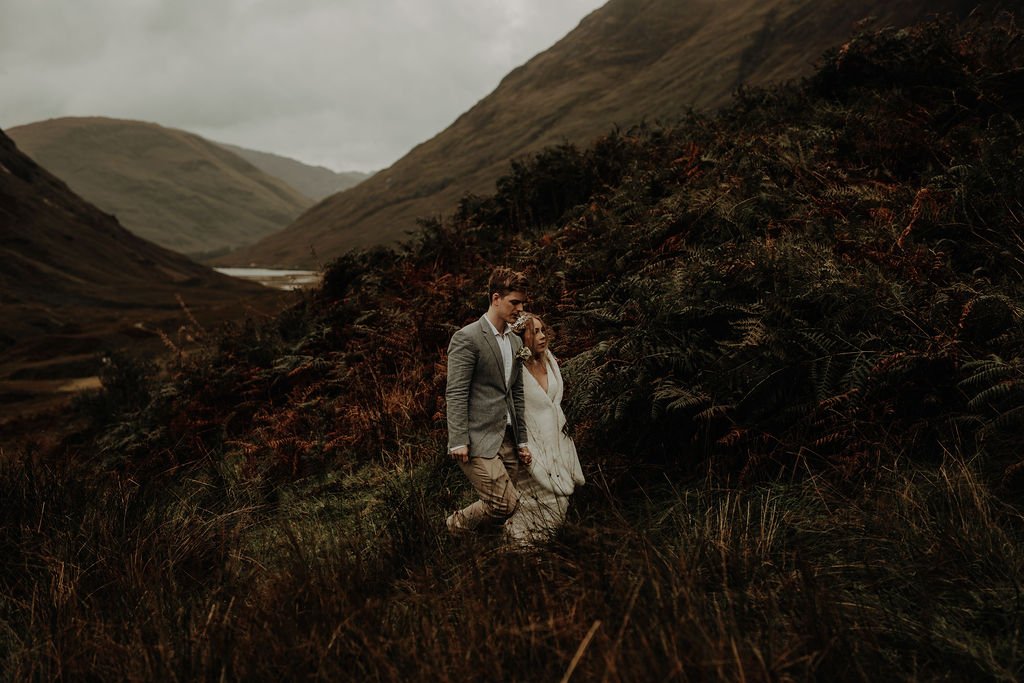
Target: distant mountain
pixel 70 272
pixel 168 186
pixel 316 182
pixel 628 61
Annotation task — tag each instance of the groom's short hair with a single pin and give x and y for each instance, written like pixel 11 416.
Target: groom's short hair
pixel 504 280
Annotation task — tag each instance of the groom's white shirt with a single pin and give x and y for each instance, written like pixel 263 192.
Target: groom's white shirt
pixel 505 344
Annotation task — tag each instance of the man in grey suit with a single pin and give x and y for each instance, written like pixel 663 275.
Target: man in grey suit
pixel 484 395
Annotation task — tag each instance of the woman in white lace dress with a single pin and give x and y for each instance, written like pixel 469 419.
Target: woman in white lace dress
pixel 555 470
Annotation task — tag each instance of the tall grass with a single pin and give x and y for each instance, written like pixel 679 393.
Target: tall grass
pixel 815 301
pixel 912 576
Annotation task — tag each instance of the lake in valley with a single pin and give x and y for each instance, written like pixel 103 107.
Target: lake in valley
pixel 279 279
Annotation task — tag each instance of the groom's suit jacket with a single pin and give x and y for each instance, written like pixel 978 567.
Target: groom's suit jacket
pixel 478 398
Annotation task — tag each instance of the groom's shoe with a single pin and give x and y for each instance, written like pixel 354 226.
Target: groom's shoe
pixel 456 524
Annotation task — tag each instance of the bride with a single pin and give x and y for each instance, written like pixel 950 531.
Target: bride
pixel 555 470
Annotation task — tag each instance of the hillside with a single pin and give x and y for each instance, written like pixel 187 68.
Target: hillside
pixel 74 282
pixel 793 346
pixel 628 61
pixel 167 186
pixel 315 182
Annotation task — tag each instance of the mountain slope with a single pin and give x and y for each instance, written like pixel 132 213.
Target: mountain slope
pixel 165 185
pixel 628 61
pixel 315 182
pixel 793 347
pixel 73 281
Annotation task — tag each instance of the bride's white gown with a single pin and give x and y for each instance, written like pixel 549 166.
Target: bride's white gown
pixel 555 471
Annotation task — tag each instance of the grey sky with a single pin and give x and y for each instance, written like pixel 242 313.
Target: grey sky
pixel 350 84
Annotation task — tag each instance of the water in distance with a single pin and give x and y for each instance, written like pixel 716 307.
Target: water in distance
pixel 270 277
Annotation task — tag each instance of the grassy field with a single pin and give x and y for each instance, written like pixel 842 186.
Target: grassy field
pixel 202 574
pixel 792 342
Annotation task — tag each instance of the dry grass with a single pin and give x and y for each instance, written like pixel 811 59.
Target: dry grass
pixel 206 576
pixel 274 509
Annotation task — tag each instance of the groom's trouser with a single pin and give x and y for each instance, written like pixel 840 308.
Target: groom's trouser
pixel 494 481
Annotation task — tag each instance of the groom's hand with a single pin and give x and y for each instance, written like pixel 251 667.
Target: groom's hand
pixel 525 456
pixel 461 453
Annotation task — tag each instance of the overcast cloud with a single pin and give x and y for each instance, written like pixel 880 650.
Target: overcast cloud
pixel 350 84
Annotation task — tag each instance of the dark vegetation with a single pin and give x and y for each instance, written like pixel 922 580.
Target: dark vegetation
pixel 74 281
pixel 792 335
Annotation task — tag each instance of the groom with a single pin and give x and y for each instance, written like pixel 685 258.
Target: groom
pixel 484 395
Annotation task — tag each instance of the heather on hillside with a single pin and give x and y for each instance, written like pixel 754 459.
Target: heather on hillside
pixel 627 61
pixel 825 275
pixel 792 338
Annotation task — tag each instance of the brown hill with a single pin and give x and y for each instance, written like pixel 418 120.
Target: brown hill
pixel 74 282
pixel 315 182
pixel 168 186
pixel 628 61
